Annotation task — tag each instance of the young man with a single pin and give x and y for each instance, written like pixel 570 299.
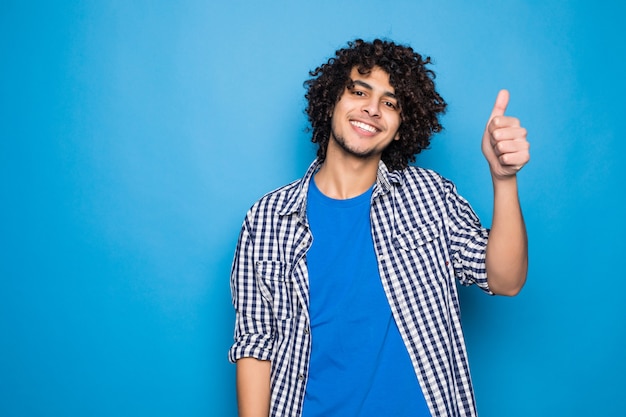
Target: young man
pixel 343 282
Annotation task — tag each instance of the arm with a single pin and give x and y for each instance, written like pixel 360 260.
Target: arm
pixel 506 149
pixel 253 387
pixel 252 347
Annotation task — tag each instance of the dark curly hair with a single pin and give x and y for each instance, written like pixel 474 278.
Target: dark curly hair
pixel 420 104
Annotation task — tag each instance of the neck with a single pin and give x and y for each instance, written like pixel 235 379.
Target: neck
pixel 346 178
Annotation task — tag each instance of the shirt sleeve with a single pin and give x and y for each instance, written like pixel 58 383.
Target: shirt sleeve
pixel 253 335
pixel 468 240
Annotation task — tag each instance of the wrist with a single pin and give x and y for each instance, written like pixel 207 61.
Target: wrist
pixel 504 183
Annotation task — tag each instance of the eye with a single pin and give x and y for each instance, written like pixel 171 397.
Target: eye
pixel 358 93
pixel 390 104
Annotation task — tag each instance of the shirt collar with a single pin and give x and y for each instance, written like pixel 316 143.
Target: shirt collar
pixel 385 179
pixel 296 203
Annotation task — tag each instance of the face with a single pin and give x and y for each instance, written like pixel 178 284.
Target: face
pixel 367 116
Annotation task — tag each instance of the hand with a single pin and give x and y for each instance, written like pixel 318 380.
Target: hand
pixel 504 141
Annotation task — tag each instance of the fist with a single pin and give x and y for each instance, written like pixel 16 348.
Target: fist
pixel 504 142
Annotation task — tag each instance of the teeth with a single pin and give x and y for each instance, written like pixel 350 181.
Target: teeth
pixel 364 126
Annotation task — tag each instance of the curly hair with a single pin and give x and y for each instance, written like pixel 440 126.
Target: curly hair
pixel 420 104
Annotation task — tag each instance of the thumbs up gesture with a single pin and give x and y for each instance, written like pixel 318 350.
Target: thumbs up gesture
pixel 504 141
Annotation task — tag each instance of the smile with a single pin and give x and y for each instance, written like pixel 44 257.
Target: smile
pixel 364 126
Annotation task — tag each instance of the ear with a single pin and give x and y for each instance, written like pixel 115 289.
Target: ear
pixel 397 136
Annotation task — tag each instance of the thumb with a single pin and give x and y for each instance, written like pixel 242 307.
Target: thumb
pixel 500 106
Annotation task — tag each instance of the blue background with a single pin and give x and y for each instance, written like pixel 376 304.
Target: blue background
pixel 135 135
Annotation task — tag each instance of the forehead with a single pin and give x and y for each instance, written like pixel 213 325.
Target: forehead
pixel 377 77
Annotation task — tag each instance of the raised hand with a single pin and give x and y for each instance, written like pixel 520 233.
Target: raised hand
pixel 504 141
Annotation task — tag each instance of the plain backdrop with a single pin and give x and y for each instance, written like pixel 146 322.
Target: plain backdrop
pixel 135 135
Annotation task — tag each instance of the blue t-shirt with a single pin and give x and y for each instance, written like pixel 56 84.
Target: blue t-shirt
pixel 359 365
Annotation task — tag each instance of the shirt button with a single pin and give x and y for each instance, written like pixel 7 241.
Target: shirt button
pixel 306 331
pixel 301 377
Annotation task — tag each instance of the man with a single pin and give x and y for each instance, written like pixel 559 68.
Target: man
pixel 344 282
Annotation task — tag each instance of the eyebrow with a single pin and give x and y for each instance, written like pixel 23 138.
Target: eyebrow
pixel 369 87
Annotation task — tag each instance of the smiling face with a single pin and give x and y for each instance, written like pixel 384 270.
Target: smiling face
pixel 366 117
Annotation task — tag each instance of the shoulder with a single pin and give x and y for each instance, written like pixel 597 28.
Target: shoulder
pixel 286 199
pixel 424 189
pixel 277 200
pixel 419 172
pixel 414 176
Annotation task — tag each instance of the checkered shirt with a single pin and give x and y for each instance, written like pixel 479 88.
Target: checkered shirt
pixel 425 236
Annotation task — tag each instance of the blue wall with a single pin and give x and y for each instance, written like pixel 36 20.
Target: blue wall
pixel 135 135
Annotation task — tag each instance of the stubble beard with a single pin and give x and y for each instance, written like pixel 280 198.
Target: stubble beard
pixel 341 142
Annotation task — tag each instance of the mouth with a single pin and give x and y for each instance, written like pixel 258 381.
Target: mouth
pixel 364 126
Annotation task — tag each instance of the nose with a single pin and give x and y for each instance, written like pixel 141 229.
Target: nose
pixel 372 108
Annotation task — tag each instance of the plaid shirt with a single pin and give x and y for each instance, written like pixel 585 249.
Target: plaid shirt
pixel 425 235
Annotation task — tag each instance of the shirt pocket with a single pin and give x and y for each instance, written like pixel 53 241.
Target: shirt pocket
pixel 412 239
pixel 422 257
pixel 276 287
